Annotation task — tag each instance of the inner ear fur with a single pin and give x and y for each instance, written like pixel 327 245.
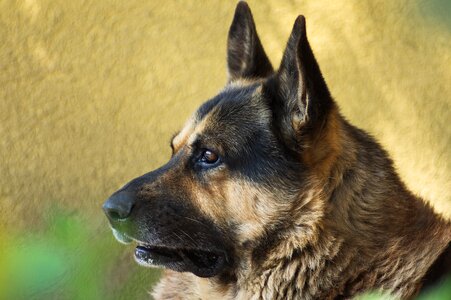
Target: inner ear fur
pixel 300 98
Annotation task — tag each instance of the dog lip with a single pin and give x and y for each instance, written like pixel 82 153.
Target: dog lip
pixel 155 256
pixel 121 237
pixel 202 263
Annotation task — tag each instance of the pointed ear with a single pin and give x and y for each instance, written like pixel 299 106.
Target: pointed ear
pixel 245 55
pixel 301 94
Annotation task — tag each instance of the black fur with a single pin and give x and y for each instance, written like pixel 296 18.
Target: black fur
pixel 245 55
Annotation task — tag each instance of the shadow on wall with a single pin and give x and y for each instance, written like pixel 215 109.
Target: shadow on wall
pixel 438 11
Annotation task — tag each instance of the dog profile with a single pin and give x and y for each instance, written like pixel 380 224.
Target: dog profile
pixel 271 193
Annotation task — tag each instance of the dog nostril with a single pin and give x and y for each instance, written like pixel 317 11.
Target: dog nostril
pixel 115 215
pixel 119 206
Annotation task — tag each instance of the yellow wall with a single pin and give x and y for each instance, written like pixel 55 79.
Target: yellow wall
pixel 91 91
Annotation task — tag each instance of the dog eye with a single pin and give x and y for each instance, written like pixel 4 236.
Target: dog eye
pixel 209 158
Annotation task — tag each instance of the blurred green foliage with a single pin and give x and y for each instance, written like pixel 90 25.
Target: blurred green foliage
pixel 374 296
pixel 440 292
pixel 69 259
pixel 92 90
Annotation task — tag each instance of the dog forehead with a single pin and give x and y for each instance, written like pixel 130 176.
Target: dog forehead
pixel 232 99
pixel 234 109
pixel 239 114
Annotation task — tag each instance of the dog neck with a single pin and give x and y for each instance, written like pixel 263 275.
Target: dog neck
pixel 355 233
pixel 355 228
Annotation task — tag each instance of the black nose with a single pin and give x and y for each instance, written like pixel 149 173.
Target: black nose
pixel 119 205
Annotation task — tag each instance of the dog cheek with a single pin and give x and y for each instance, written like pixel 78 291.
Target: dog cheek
pixel 208 200
pixel 250 209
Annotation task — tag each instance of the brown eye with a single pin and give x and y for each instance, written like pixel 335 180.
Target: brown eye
pixel 208 157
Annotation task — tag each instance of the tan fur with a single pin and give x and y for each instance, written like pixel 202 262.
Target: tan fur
pixel 319 258
pixel 296 203
pixel 181 138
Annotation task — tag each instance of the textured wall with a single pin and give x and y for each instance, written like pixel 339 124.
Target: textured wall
pixel 91 90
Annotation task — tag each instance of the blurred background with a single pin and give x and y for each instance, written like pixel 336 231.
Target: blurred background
pixel 92 90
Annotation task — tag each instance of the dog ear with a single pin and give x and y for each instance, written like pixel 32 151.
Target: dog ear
pixel 301 99
pixel 245 55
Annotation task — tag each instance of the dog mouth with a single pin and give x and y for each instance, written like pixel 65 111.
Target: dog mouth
pixel 203 263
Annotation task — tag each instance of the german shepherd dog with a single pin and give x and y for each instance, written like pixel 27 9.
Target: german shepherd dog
pixel 270 193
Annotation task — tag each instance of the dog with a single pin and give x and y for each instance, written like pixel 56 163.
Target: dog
pixel 271 193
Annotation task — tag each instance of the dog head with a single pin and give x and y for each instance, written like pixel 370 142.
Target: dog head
pixel 242 168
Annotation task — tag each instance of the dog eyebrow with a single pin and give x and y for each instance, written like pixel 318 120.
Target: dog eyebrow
pixel 171 142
